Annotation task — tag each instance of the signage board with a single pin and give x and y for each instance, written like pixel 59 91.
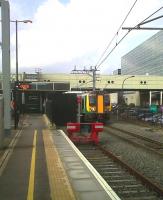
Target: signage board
pixel 24 86
pixel 30 77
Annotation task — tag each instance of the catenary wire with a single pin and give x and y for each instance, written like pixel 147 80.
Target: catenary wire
pixel 97 66
pixel 117 32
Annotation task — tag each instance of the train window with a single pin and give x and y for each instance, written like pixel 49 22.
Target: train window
pixel 83 104
pixel 106 100
pixel 92 100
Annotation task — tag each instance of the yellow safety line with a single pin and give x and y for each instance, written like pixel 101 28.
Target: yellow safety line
pixel 60 187
pixel 32 170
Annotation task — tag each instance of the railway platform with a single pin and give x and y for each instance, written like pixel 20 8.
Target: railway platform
pixel 41 163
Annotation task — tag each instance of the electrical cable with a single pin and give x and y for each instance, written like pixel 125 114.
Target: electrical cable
pixel 150 16
pixel 125 36
pixel 116 32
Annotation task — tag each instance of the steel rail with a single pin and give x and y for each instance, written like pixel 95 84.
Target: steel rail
pixel 146 181
pixel 139 136
pixel 99 161
pixel 134 142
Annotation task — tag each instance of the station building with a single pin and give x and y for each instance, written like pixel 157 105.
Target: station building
pixel 141 90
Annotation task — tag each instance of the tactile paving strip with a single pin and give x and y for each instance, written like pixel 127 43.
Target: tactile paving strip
pixel 59 184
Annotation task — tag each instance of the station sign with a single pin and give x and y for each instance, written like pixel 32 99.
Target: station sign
pixel 31 77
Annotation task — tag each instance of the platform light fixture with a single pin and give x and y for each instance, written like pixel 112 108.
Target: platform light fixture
pixel 16 29
pixel 123 84
pixel 125 80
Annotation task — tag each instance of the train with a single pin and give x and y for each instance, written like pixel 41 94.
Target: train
pixel 95 107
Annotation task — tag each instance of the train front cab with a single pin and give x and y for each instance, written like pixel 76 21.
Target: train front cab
pixel 95 107
pixel 88 107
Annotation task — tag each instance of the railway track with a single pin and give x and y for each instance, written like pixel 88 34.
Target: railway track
pixel 124 180
pixel 145 142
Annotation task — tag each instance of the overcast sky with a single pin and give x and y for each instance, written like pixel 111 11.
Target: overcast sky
pixel 68 33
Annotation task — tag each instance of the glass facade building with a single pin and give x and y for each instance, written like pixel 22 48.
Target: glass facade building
pixel 147 58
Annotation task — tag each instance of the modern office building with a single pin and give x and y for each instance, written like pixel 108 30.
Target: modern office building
pixel 145 59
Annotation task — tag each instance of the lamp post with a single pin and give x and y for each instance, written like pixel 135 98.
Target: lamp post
pixel 122 91
pixel 125 80
pixel 123 84
pixel 16 108
pixel 16 29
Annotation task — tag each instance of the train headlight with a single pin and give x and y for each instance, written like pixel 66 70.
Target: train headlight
pixel 107 109
pixel 93 109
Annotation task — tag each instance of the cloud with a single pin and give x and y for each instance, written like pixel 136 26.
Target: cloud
pixel 64 35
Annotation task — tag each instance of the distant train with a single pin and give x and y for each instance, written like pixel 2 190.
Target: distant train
pixel 95 106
